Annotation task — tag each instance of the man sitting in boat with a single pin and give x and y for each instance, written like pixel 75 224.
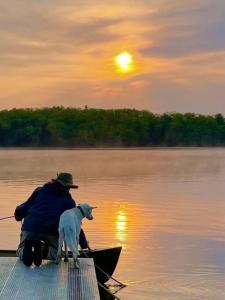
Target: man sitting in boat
pixel 41 213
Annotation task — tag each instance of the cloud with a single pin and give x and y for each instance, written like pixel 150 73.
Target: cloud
pixel 65 37
pixel 189 27
pixel 204 98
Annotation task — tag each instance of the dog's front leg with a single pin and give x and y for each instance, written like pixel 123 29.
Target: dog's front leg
pixel 59 255
pixel 76 264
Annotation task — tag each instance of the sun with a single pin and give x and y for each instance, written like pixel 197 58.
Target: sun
pixel 124 62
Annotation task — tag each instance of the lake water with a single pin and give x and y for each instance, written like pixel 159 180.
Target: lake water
pixel 166 207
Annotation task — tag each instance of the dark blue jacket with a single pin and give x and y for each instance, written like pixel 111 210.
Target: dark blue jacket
pixel 42 210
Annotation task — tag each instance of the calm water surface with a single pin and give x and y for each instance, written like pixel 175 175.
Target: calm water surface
pixel 166 207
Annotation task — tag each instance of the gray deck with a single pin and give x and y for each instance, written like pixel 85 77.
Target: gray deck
pixel 50 281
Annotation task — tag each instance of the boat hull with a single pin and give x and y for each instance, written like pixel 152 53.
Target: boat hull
pixel 105 261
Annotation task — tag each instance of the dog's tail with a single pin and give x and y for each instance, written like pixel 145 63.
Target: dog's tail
pixel 60 242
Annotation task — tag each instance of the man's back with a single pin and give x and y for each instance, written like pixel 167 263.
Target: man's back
pixel 44 207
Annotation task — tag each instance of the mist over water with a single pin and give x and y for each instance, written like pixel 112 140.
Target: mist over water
pixel 166 207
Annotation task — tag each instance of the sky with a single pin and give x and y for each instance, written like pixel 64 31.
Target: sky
pixel 55 53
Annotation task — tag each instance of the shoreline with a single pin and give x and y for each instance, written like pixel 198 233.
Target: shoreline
pixel 115 148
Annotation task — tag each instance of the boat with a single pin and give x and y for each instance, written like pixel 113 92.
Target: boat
pixel 105 260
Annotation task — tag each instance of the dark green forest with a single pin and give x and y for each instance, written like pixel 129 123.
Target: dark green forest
pixel 71 127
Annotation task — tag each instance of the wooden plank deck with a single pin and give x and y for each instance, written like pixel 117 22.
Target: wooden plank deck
pixel 48 282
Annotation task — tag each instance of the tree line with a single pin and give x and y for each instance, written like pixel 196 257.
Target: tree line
pixel 72 127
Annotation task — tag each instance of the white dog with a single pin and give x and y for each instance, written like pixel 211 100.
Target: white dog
pixel 69 230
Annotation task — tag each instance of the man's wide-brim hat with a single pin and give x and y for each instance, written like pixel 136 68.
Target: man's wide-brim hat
pixel 66 179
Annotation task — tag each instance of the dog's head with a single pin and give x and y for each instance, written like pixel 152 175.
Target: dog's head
pixel 87 209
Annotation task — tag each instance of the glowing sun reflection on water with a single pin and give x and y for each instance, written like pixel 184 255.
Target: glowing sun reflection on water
pixel 121 226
